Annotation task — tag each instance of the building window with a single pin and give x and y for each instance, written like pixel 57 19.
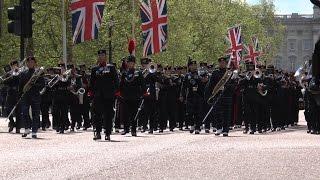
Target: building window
pixel 292 63
pixel 292 44
pixel 307 44
pixel 277 62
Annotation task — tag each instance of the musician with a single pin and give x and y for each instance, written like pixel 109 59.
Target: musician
pixel 192 93
pixel 132 89
pixel 84 108
pixel 149 111
pixel 249 84
pixel 46 100
pixel 223 108
pixel 31 98
pixel 103 82
pixel 61 99
pixel 180 111
pixel 11 80
pixel 204 78
pixel 75 85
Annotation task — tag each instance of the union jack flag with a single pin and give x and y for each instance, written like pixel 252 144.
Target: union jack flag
pixel 235 50
pixel 253 51
pixel 86 19
pixel 154 26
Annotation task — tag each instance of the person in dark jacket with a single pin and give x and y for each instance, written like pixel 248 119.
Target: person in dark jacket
pixel 31 98
pixel 132 89
pixel 104 83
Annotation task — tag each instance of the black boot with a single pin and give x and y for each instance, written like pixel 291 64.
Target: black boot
pixel 97 136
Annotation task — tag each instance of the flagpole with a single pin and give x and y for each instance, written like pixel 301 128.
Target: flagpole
pixel 64 34
pixel 133 19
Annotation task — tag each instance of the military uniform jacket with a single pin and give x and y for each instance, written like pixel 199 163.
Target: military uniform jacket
pixel 36 88
pixel 213 81
pixel 104 81
pixel 132 85
pixel 191 84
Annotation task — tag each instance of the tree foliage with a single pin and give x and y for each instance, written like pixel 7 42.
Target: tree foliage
pixel 196 28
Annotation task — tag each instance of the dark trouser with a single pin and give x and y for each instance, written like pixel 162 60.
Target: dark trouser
pixel 194 111
pixel 149 114
pixel 206 108
pixel 10 103
pixel 130 109
pixel 75 113
pixel 84 114
pixel 119 114
pixel 103 114
pixel 180 113
pixel 223 113
pixel 34 103
pixel 61 114
pixel 45 106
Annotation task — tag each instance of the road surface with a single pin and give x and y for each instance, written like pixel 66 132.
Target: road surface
pixel 290 154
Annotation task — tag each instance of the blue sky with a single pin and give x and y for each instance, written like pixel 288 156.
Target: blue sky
pixel 290 6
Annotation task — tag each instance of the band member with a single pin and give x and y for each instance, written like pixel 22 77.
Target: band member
pixel 46 100
pixel 61 99
pixel 11 80
pixel 31 98
pixel 132 89
pixel 180 111
pixel 103 83
pixel 75 85
pixel 193 97
pixel 84 108
pixel 223 107
pixel 204 77
pixel 149 111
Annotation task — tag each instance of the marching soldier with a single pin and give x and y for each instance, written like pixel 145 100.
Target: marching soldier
pixel 61 100
pixel 132 89
pixel 223 107
pixel 192 93
pixel 180 111
pixel 46 100
pixel 75 85
pixel 31 98
pixel 103 82
pixel 12 82
pixel 85 106
pixel 149 110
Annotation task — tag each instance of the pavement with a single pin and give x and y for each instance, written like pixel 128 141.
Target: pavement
pixel 291 154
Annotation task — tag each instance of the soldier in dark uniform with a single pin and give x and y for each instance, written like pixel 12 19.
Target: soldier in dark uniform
pixel 193 97
pixel 223 108
pixel 75 85
pixel 84 108
pixel 250 84
pixel 132 89
pixel 104 82
pixel 204 76
pixel 149 111
pixel 31 98
pixel 11 80
pixel 46 100
pixel 180 111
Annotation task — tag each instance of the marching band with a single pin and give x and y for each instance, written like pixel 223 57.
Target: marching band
pixel 154 97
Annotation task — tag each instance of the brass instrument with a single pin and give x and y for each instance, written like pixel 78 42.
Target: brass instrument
pixel 220 85
pixel 257 73
pixel 151 68
pixel 36 75
pixel 261 89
